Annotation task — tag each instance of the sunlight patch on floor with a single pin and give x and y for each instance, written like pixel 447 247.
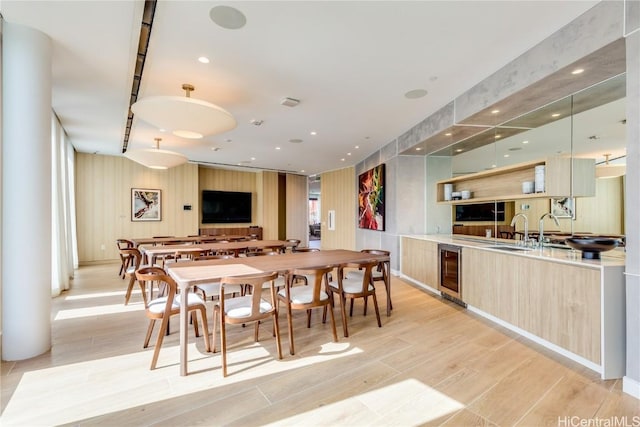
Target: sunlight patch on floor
pixel 78 391
pixel 97 295
pixel 408 402
pixel 93 311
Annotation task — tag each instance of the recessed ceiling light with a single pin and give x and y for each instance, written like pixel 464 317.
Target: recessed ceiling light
pixel 295 141
pixel 525 142
pixel 253 158
pixel 313 132
pixel 448 134
pixel 348 154
pixel 418 148
pixel 497 136
pixel 356 147
pixel 301 170
pixel 203 59
pixel 506 155
pixel 577 71
pixel 495 111
pixel 415 94
pixel 227 17
pixel 555 115
pixel 277 148
pixel 342 160
pixel 162 130
pixel 493 166
pixel 459 150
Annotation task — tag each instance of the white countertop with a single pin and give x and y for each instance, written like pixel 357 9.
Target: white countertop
pixel 613 258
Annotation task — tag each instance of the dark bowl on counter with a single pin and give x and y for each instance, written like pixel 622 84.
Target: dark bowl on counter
pixel 591 246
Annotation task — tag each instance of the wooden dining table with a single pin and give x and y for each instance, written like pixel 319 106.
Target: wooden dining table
pixel 150 252
pixel 189 274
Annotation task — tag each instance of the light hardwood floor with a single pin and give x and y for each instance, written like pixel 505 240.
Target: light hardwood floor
pixel 431 363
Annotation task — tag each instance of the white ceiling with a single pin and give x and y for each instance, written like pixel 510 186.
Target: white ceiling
pixel 349 63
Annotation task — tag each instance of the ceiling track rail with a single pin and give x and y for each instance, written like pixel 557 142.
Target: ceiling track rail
pixel 143 46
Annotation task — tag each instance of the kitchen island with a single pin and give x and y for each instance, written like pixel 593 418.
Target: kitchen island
pixel 552 296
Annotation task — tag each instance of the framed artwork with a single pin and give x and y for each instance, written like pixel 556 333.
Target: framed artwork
pixel 371 199
pixel 146 204
pixel 563 207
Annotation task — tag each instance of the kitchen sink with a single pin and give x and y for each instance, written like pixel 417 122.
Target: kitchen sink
pixel 509 248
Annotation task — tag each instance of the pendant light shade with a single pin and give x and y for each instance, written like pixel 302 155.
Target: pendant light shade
pixel 155 158
pixel 184 116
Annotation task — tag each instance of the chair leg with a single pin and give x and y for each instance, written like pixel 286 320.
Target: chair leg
pixel 366 299
pixel 333 324
pixel 156 351
pixel 205 327
pixel 375 305
pixel 152 322
pixel 132 281
pixel 343 312
pixel 194 319
pixel 276 328
pixel 256 331
pixel 351 308
pixel 223 341
pixel 215 324
pixel 308 318
pixel 290 321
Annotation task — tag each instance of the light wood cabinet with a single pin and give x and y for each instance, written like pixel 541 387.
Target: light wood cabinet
pixel 559 303
pixel 505 183
pixel 420 261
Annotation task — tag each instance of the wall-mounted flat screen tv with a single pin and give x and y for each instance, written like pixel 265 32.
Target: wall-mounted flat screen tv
pixel 480 212
pixel 225 207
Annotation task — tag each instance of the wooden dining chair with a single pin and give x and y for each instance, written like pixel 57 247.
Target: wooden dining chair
pixel 250 308
pixel 134 265
pixel 292 244
pixel 124 260
pixel 212 289
pixel 315 295
pixel 162 308
pixel 380 273
pixel 358 285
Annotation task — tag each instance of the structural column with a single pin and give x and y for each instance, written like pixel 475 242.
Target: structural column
pixel 26 192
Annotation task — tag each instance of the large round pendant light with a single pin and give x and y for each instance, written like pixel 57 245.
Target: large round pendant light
pixel 155 158
pixel 184 116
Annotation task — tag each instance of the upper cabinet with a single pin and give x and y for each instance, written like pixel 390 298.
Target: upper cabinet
pixel 506 183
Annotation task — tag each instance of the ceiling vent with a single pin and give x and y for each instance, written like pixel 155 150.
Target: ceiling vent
pixel 289 102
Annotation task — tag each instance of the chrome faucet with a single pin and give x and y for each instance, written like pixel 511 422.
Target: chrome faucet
pixel 541 226
pixel 526 225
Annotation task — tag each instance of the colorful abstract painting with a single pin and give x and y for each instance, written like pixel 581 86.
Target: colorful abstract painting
pixel 371 199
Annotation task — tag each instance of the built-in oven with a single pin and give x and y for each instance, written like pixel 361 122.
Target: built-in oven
pixel 450 272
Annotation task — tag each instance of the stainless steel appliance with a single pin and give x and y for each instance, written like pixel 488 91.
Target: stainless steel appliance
pixel 450 272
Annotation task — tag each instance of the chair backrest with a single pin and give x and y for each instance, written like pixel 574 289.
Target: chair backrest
pixel 254 284
pixel 376 252
pixel 124 243
pixel 363 266
pixel 157 274
pixel 305 249
pixel 319 276
pixel 132 253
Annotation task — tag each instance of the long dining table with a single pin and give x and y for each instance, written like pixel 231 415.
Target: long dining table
pixel 150 252
pixel 189 274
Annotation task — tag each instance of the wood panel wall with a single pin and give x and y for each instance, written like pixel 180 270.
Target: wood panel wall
pixel 228 180
pixel 338 189
pixel 297 209
pixel 601 214
pixel 103 203
pixel 269 206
